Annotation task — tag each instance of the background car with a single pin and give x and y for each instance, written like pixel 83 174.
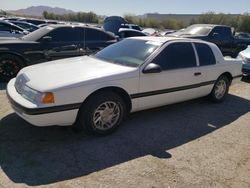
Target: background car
pixel 50 43
pixel 245 57
pixel 25 25
pixel 242 35
pixel 8 29
pixel 131 26
pixel 221 35
pixel 125 33
pixel 33 21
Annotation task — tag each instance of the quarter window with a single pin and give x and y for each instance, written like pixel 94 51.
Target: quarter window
pixel 205 54
pixel 176 55
pixel 96 35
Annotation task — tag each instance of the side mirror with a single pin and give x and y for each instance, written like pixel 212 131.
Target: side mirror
pixel 46 39
pixel 152 68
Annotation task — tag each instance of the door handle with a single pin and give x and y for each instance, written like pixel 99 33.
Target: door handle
pixel 197 73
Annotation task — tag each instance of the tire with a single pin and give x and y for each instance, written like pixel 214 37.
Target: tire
pixel 10 65
pixel 220 89
pixel 234 55
pixel 101 114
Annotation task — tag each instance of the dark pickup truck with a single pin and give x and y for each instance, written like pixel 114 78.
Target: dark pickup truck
pixel 222 36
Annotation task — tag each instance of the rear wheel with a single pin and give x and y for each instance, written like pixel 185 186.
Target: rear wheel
pixel 220 89
pixel 102 113
pixel 10 65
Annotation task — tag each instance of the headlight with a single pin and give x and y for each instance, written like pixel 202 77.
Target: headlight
pixel 31 94
pixel 243 58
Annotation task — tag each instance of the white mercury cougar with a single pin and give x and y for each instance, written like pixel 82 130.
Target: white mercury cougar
pixel 97 92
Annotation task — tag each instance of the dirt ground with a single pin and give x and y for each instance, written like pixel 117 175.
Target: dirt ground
pixel 191 144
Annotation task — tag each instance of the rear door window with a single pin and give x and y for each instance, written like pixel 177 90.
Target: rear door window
pixel 65 34
pixel 176 56
pixel 205 54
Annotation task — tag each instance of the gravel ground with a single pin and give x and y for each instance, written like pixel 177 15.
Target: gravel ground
pixel 191 144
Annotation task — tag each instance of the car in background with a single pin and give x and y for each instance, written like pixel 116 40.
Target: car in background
pixel 245 57
pixel 125 33
pixel 50 43
pixel 97 92
pixel 131 26
pixel 242 35
pixel 221 35
pixel 8 29
pixel 167 32
pixel 151 32
pixel 25 25
pixel 113 24
pixel 33 21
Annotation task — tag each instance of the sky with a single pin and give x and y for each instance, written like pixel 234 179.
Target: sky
pixel 137 7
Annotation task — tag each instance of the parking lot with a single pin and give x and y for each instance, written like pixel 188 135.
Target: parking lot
pixel 191 144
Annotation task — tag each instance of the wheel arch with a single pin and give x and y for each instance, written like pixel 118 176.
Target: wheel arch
pixel 117 90
pixel 24 60
pixel 228 75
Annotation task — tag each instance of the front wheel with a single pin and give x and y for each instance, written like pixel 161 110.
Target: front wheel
pixel 10 65
pixel 102 113
pixel 220 89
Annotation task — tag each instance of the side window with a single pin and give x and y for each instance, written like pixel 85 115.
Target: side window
pixel 13 28
pixel 222 33
pixel 65 34
pixel 205 54
pixel 4 27
pixel 176 55
pixel 96 35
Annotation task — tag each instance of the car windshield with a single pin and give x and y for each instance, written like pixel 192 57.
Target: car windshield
pixel 36 35
pixel 129 52
pixel 197 30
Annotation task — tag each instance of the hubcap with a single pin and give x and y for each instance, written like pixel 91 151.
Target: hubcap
pixel 8 68
pixel 220 89
pixel 106 115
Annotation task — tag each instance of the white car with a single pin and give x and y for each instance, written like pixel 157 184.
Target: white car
pixel 97 92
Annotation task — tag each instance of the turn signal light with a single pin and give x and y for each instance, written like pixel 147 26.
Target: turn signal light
pixel 48 98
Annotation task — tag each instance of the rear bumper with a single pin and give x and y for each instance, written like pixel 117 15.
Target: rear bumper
pixel 40 116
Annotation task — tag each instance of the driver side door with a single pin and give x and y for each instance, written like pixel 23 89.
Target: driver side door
pixel 62 42
pixel 177 81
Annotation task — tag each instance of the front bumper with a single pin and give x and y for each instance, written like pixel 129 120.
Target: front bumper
pixel 41 116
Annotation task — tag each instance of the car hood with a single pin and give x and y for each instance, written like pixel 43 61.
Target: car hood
pixel 246 53
pixel 113 24
pixel 73 72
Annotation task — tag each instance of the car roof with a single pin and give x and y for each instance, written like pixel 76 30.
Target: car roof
pixel 72 25
pixel 209 25
pixel 54 26
pixel 167 39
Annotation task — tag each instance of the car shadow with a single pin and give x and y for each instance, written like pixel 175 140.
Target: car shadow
pixel 40 156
